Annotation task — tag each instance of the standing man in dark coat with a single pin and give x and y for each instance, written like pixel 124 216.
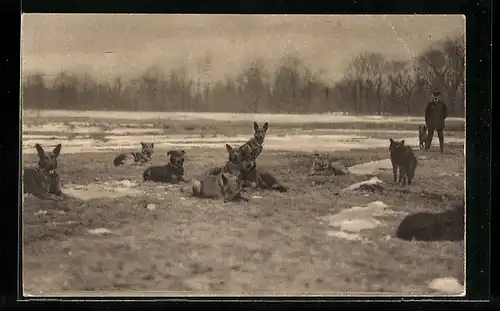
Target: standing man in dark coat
pixel 435 114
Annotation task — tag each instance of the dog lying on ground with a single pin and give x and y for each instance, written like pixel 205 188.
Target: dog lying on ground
pixel 224 185
pixel 445 226
pixel 145 155
pixel 172 172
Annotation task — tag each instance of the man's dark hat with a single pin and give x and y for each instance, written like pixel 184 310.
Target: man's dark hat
pixel 435 93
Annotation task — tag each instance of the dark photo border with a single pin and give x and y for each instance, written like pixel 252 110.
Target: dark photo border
pixel 478 126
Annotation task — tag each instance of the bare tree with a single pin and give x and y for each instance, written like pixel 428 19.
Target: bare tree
pixel 443 66
pixel 404 79
pixel 367 69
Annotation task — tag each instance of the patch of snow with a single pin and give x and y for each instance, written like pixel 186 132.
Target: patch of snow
pixel 41 212
pixel 151 207
pixel 447 285
pixel 370 168
pixel 374 181
pixel 345 235
pixel 359 218
pixel 97 191
pixel 356 225
pixel 377 204
pixel 99 231
pixel 449 174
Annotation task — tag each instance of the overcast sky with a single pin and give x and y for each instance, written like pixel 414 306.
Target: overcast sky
pixel 51 43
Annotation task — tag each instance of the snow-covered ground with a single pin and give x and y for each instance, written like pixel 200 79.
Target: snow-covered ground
pixel 99 135
pixel 193 116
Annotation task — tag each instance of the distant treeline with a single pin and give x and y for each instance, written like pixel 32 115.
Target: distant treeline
pixel 371 84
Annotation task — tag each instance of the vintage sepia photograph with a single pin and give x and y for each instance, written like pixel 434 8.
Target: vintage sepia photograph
pixel 243 155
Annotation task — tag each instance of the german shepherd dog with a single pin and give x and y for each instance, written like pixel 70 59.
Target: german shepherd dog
pixel 256 178
pixel 404 160
pixel 262 180
pixel 42 180
pixel 323 165
pixel 172 172
pixel 254 145
pixel 238 162
pixel 422 136
pixel 145 155
pixel 224 185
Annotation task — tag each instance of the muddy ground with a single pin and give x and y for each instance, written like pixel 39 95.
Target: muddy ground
pixel 276 243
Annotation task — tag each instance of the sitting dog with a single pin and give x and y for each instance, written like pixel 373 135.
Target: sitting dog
pixel 238 164
pixel 172 172
pixel 145 155
pixel 42 180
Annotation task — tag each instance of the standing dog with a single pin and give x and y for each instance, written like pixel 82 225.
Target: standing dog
pixel 42 181
pixel 404 160
pixel 172 172
pixel 145 155
pixel 422 136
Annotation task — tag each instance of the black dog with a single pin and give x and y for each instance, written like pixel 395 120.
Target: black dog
pixel 173 172
pixel 448 225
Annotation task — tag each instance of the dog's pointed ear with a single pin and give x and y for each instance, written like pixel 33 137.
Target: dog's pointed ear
pixel 225 181
pixel 391 140
pixel 266 125
pixel 183 152
pixel 229 148
pixel 403 142
pixel 39 150
pixel 169 153
pixel 255 126
pixel 143 144
pixel 152 145
pixel 57 150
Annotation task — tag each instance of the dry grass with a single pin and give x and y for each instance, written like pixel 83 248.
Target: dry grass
pixel 271 244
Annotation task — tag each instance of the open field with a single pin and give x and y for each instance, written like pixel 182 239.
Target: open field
pixel 308 240
pixel 207 121
pixel 90 131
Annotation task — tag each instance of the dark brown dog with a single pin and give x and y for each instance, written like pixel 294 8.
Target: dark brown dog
pixel 42 181
pixel 172 172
